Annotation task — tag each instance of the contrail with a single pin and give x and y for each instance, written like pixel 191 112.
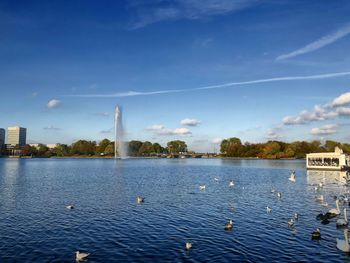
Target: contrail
pixel 220 86
pixel 323 41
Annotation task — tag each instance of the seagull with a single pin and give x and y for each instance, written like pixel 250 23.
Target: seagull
pixel 188 245
pixel 140 199
pixel 296 216
pixel 216 179
pixel 291 222
pixel 70 207
pixel 268 209
pixel 273 190
pixel 316 235
pixel 279 195
pixel 202 187
pixel 232 183
pixel 292 177
pixel 343 245
pixel 229 225
pixel 81 256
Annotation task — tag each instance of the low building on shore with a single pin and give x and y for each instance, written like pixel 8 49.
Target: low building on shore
pixel 336 160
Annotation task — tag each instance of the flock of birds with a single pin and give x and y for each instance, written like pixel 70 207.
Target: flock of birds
pixel 341 222
pixel 342 244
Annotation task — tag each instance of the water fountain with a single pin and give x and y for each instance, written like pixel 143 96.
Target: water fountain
pixel 119 143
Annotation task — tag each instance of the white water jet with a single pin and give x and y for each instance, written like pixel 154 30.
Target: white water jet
pixel 119 143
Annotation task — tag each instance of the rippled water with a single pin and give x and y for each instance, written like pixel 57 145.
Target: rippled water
pixel 35 225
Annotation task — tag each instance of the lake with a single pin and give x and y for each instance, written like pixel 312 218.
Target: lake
pixel 36 226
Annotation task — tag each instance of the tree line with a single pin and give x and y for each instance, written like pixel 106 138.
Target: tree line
pixel 233 147
pixel 104 148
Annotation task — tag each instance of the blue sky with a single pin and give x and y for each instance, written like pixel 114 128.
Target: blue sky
pixel 64 65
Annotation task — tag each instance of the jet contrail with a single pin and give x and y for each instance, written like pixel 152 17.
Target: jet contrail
pixel 220 86
pixel 324 41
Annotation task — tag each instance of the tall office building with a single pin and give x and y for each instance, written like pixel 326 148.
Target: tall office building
pixel 2 139
pixel 16 136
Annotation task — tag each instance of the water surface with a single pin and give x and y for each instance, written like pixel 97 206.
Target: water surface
pixel 35 226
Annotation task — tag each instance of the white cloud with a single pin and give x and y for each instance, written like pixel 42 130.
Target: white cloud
pixel 182 131
pixel 102 114
pixel 341 100
pixel 110 130
pixel 53 104
pixel 190 122
pixel 220 86
pixel 272 134
pixel 324 41
pixel 155 127
pixel 319 113
pixel 52 128
pixel 343 111
pixel 161 130
pixel 35 94
pixel 183 9
pixel 216 140
pixel 325 130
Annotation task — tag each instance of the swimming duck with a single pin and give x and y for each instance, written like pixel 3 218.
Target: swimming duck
pixel 316 235
pixel 229 225
pixel 140 199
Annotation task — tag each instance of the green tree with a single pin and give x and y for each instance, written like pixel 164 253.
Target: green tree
pixel 61 150
pixel 83 147
pixel 157 148
pixel 134 147
pixel 176 146
pixel 146 149
pixel 232 147
pixel 109 150
pixel 102 146
pixel 43 150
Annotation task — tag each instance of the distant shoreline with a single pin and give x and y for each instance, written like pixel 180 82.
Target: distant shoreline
pixel 146 157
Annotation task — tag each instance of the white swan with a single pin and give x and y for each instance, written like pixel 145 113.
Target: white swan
pixel 202 187
pixel 70 207
pixel 268 209
pixel 292 177
pixel 279 195
pixel 81 256
pixel 343 245
pixel 335 211
pixel 343 221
